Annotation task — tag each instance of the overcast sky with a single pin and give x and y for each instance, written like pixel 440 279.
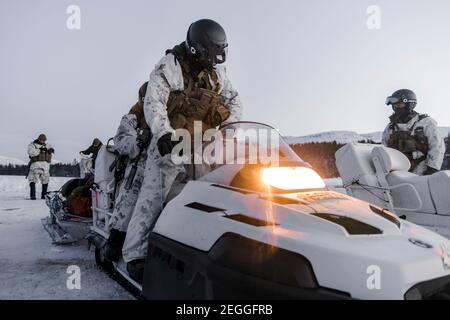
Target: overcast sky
pixel 301 66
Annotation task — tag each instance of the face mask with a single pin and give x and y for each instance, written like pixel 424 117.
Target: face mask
pixel 401 113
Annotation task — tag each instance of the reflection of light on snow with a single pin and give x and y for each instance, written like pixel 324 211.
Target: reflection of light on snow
pixel 292 178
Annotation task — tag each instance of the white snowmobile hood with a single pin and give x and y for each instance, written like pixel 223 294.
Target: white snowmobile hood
pixel 352 246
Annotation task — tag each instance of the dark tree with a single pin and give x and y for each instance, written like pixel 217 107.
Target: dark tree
pixel 320 155
pixel 56 170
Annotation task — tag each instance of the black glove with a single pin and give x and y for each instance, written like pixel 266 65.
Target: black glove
pixel 51 150
pixel 43 149
pixel 429 171
pixel 165 144
pixel 143 139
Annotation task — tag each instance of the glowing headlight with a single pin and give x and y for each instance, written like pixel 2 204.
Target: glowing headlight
pixel 292 178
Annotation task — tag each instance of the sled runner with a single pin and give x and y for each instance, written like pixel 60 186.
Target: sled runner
pixel 73 207
pixel 63 226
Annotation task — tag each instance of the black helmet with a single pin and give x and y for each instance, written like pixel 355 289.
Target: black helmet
pixel 42 137
pixel 403 95
pixel 206 42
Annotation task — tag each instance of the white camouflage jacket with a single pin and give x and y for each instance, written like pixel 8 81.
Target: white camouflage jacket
pixel 126 135
pixel 436 146
pixel 34 151
pixel 167 77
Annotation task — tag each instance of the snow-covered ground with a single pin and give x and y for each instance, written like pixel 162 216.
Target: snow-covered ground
pixel 30 266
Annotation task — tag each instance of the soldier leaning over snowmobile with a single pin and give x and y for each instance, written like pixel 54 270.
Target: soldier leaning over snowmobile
pixel 187 85
pixel 415 135
pixel 93 149
pixel 40 154
pixel 131 140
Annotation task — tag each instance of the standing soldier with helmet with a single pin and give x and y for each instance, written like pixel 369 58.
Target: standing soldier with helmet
pixel 40 154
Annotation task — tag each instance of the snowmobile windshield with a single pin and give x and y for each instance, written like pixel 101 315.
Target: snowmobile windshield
pixel 246 143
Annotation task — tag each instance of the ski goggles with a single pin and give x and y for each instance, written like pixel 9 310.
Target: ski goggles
pixel 394 100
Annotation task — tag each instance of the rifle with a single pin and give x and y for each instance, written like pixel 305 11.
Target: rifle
pixel 119 165
pixel 132 174
pixel 28 169
pixel 143 144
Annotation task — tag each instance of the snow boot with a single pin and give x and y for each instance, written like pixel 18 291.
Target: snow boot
pixel 113 249
pixel 32 191
pixel 135 270
pixel 44 191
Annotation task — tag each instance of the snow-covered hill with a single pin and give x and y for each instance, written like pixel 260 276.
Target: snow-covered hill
pixel 330 136
pixel 4 161
pixel 345 137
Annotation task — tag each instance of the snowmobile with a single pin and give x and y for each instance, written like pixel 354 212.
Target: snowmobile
pixel 70 218
pixel 380 175
pixel 246 229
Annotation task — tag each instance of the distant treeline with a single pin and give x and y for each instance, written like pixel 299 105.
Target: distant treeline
pixel 320 155
pixel 56 170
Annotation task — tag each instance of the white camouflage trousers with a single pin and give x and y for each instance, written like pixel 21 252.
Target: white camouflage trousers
pixel 160 174
pixel 39 173
pixel 126 199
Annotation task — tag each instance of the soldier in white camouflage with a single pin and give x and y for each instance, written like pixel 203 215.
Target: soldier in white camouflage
pixel 131 140
pixel 188 84
pixel 40 154
pixel 415 135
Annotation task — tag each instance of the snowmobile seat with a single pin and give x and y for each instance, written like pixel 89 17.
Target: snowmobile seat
pixel 408 190
pixel 439 188
pixel 354 162
pixel 356 169
pixel 368 169
pixel 391 159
